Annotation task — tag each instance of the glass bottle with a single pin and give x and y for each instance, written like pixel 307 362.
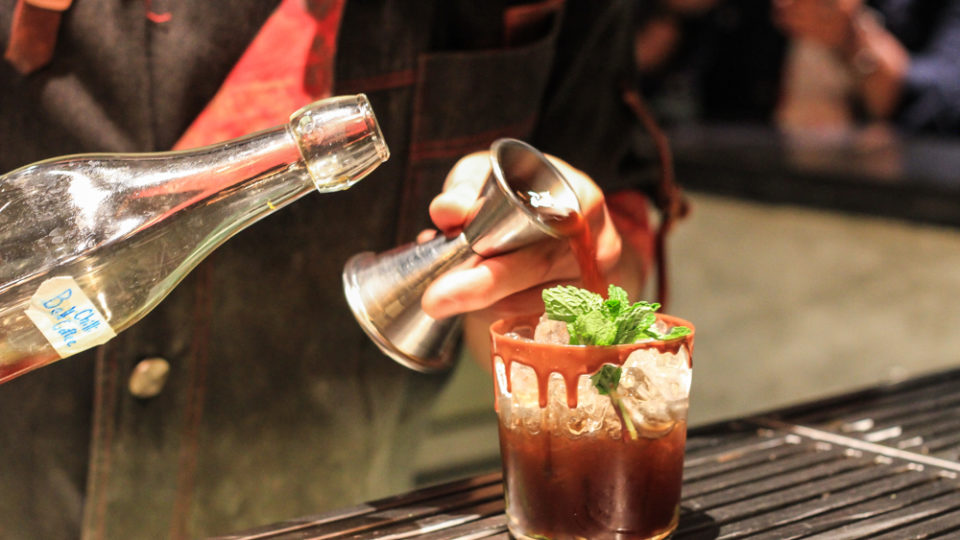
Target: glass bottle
pixel 89 244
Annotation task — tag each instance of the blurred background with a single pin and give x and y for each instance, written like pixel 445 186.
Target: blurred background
pixel 816 143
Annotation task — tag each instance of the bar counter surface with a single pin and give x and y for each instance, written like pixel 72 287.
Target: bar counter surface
pixel 873 171
pixel 880 463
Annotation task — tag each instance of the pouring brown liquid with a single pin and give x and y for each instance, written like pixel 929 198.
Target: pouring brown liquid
pixel 571 224
pixel 575 227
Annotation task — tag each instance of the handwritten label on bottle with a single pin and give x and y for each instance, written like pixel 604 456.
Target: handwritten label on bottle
pixel 67 318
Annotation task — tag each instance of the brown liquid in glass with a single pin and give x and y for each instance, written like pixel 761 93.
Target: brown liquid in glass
pixel 593 486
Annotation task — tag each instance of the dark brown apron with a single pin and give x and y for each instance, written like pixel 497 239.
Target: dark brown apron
pixel 276 405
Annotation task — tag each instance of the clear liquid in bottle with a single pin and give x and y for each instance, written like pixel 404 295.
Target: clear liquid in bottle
pixel 89 244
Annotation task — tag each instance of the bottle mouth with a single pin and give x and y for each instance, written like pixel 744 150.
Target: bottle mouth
pixel 379 143
pixel 339 139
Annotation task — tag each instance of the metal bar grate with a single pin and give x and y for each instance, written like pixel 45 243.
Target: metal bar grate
pixel 880 463
pixel 921 416
pixel 818 488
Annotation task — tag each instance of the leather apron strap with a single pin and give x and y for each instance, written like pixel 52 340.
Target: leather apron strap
pixel 669 198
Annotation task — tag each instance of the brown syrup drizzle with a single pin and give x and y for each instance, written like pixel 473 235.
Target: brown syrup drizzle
pixel 570 361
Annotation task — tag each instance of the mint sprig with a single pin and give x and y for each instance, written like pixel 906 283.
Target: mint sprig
pixel 591 320
pixel 606 381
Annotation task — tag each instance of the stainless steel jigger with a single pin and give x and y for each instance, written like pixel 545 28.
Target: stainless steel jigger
pixel 384 290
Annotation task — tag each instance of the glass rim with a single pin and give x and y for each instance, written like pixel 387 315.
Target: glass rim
pixel 500 327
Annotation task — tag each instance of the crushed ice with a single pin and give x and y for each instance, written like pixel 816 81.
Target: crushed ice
pixel 655 388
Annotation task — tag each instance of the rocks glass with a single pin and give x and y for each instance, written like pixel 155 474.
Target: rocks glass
pixel 571 468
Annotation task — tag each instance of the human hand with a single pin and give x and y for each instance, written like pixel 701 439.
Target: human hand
pixel 510 283
pixel 830 22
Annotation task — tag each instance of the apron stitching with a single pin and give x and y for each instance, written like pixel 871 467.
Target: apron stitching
pixel 187 461
pixel 412 183
pixel 386 81
pixel 473 139
pixel 105 406
pixel 456 147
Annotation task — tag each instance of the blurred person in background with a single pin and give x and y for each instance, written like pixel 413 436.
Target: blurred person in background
pixel 250 395
pixel 807 63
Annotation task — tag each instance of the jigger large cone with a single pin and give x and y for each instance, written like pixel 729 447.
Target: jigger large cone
pixel 384 290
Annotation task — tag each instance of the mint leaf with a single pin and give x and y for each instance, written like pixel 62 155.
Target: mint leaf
pixel 674 333
pixel 617 300
pixel 618 294
pixel 593 328
pixel 606 381
pixel 611 309
pixel 634 326
pixel 566 303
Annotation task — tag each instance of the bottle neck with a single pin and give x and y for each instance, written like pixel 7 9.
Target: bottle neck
pixel 266 166
pixel 239 183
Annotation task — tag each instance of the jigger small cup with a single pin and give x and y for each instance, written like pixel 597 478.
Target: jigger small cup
pixel 384 290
